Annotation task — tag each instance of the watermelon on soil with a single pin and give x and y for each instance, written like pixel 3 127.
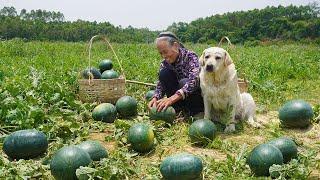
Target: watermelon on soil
pixel 93 73
pixel 109 74
pixel 127 106
pixel 149 95
pixel 25 144
pixel 105 65
pixel 181 166
pixel 202 131
pixel 67 160
pixel 296 114
pixel 94 149
pixel 141 137
pixel 168 115
pixel 262 157
pixel 287 147
pixel 105 112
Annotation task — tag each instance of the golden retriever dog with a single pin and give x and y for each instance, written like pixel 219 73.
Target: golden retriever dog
pixel 219 84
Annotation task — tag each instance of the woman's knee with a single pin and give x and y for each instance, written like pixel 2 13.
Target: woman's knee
pixel 166 75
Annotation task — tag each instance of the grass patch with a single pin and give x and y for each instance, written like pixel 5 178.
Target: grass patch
pixel 39 90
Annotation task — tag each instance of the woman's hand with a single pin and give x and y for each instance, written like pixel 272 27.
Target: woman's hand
pixel 153 103
pixel 164 103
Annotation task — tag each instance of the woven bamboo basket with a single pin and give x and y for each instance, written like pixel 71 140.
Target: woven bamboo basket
pixel 102 90
pixel 242 83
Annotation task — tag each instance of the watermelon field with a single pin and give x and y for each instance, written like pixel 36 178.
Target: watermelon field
pixel 39 89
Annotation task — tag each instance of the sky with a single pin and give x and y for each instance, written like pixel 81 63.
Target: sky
pixel 151 14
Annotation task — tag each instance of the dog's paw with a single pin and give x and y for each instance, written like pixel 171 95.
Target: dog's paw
pixel 230 128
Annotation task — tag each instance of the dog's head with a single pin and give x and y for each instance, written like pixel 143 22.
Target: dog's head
pixel 214 59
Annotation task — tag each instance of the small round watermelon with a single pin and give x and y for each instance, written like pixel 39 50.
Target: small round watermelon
pixel 127 106
pixel 105 112
pixel 25 144
pixel 263 157
pixel 67 160
pixel 109 74
pixel 94 149
pixel 202 131
pixel 141 137
pixel 181 166
pixel 93 73
pixel 168 115
pixel 105 65
pixel 296 114
pixel 287 147
pixel 149 95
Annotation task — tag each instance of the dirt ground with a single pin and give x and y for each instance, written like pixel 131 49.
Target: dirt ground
pixel 309 137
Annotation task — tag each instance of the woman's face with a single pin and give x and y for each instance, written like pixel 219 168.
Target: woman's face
pixel 167 51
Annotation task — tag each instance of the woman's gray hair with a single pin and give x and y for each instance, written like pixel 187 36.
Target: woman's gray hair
pixel 170 37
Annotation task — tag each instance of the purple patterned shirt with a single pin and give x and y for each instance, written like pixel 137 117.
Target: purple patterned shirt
pixel 186 66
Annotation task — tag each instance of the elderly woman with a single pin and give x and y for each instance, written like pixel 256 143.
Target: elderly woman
pixel 178 77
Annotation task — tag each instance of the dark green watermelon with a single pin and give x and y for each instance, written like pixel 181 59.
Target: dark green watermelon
pixel 296 114
pixel 181 166
pixel 287 147
pixel 93 73
pixel 67 160
pixel 94 149
pixel 168 115
pixel 105 65
pixel 127 106
pixel 202 131
pixel 25 144
pixel 149 95
pixel 262 157
pixel 109 74
pixel 105 112
pixel 141 137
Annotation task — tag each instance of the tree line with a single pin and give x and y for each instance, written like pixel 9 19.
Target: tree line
pixel 48 25
pixel 284 23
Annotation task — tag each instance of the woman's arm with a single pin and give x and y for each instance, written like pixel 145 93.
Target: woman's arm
pixel 192 83
pixel 159 92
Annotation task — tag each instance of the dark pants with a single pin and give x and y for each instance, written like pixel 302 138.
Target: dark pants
pixel 192 104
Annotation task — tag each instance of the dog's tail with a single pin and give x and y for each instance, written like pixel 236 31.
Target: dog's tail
pixel 249 109
pixel 249 106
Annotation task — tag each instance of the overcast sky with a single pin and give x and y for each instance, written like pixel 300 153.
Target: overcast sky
pixel 152 14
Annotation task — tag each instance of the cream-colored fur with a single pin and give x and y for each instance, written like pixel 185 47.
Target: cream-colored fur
pixel 219 84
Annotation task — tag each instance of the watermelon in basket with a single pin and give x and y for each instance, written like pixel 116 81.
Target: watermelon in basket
pixel 93 89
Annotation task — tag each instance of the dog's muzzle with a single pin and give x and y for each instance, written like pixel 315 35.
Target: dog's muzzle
pixel 210 68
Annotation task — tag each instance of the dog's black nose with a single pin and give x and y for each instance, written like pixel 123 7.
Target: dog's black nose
pixel 209 68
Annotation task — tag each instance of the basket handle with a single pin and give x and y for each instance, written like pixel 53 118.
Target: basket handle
pixel 104 38
pixel 228 40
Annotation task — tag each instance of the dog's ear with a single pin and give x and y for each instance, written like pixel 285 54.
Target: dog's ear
pixel 227 59
pixel 201 59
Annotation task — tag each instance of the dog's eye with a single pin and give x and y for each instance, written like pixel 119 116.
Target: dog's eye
pixel 218 58
pixel 207 57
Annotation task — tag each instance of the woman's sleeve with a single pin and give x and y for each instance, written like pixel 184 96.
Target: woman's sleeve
pixel 192 83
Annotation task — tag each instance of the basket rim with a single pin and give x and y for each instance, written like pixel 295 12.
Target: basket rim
pixel 119 78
